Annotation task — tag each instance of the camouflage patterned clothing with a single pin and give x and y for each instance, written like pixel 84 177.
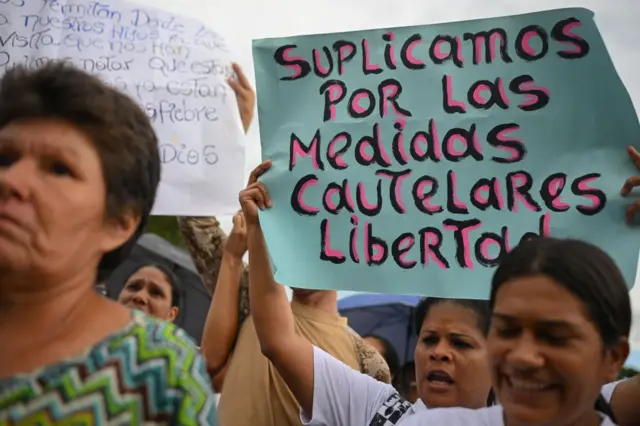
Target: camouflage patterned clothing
pixel 205 240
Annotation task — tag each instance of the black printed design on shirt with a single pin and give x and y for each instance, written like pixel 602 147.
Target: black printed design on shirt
pixel 391 411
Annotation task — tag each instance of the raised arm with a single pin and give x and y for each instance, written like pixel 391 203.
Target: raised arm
pixel 290 354
pixel 204 236
pixel 206 242
pixel 245 96
pixel 224 317
pixel 219 262
pixel 624 402
pixel 328 391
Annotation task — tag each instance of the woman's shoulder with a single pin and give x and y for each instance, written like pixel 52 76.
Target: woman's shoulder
pixel 150 341
pixel 148 363
pixel 156 333
pixel 608 389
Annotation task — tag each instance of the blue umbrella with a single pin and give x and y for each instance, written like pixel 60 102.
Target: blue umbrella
pixel 385 315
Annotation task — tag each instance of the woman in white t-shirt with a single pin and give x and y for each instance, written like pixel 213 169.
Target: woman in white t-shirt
pixel 561 317
pixel 452 364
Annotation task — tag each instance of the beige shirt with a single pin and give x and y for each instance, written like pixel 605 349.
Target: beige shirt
pixel 254 393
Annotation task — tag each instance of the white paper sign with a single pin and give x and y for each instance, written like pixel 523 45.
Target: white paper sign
pixel 173 66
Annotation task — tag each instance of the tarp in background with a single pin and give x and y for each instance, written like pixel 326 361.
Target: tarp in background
pixel 385 315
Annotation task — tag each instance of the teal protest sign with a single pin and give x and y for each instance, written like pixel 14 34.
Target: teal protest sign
pixel 410 160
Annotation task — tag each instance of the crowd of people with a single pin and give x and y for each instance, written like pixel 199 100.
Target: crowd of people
pixel 79 172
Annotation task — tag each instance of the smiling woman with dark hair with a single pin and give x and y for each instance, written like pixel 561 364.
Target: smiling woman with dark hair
pixel 79 170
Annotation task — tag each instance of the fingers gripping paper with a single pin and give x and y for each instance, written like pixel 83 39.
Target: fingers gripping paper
pixel 410 160
pixel 174 67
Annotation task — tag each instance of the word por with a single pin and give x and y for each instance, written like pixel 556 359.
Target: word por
pixel 363 102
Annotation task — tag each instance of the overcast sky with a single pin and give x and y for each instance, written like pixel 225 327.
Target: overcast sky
pixel 240 21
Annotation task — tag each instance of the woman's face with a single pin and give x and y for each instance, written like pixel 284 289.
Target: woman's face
pixel 52 204
pixel 149 290
pixel 452 367
pixel 548 360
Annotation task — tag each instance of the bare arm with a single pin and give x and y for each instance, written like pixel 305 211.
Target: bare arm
pixel 624 402
pixel 290 353
pixel 224 276
pixel 245 96
pixel 203 235
pixel 218 379
pixel 221 326
pixel 218 260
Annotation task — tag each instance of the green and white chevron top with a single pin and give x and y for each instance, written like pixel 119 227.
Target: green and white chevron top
pixel 149 373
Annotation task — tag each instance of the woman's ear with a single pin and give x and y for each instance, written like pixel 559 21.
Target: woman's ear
pixel 173 313
pixel 116 232
pixel 615 358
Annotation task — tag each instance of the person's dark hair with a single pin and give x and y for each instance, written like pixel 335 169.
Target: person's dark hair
pixel 390 354
pixel 407 376
pixel 581 268
pixel 174 281
pixel 480 308
pixel 120 130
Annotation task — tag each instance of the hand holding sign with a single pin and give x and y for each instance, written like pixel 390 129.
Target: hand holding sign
pixel 245 95
pixel 236 244
pixel 255 196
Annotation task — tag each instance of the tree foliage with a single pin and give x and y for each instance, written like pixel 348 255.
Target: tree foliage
pixel 627 372
pixel 167 228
